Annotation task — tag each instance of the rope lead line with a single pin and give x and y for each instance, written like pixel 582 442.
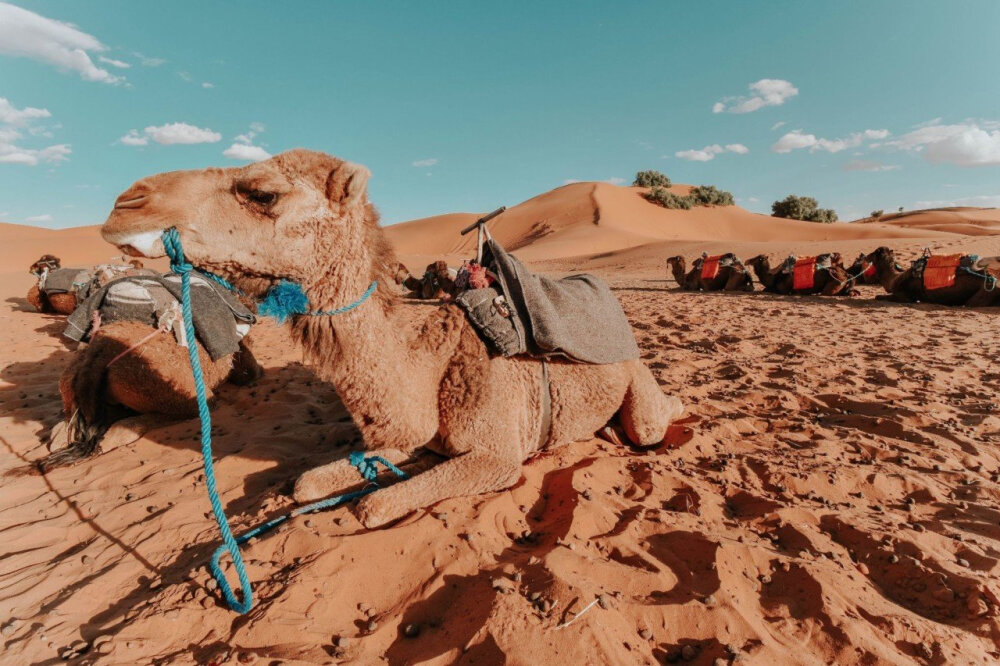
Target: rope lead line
pixel 367 467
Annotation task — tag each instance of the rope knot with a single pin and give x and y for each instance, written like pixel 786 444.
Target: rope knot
pixel 367 467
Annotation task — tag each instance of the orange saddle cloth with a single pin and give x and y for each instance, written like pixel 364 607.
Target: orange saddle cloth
pixel 940 271
pixel 870 269
pixel 805 273
pixel 710 267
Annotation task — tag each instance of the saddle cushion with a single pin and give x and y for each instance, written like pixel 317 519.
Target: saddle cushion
pixel 869 269
pixel 710 267
pixel 804 273
pixel 940 271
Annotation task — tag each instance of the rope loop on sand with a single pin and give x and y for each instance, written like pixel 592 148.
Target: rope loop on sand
pixel 367 467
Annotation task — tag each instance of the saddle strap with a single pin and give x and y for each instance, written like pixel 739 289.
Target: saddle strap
pixel 546 394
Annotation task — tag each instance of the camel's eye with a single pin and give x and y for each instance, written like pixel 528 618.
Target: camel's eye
pixel 261 197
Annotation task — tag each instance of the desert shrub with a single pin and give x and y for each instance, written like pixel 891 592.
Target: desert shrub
pixel 877 214
pixel 651 179
pixel 709 195
pixel 667 199
pixel 802 208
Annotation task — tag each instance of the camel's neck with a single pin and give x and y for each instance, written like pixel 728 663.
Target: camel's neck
pixel 677 268
pixel 763 271
pixel 887 274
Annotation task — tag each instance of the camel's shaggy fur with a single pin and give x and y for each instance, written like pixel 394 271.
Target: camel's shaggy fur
pixel 154 379
pixel 412 377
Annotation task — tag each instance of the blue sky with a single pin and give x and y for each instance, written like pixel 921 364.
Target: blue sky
pixel 460 106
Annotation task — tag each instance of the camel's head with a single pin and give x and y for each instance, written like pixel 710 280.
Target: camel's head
pixel 675 261
pixel 400 273
pixel 300 216
pixel 760 261
pixel 49 261
pixel 883 256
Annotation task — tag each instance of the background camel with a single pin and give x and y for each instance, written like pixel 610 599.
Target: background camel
pixel 907 286
pixel 65 302
pixel 412 377
pixel 828 281
pixel 731 277
pixel 112 395
pixel 862 271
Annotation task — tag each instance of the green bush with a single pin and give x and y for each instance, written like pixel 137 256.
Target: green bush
pixel 877 214
pixel 802 208
pixel 668 199
pixel 709 195
pixel 651 179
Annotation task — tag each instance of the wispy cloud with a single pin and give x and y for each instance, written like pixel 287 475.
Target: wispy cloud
pixel 798 140
pixel 426 163
pixel 777 125
pixel 766 92
pixel 26 34
pixel 120 64
pixel 148 61
pixel 12 121
pixel 981 200
pixel 866 165
pixel 170 134
pixel 243 147
pixel 38 218
pixel 708 153
pixel 206 84
pixel 967 144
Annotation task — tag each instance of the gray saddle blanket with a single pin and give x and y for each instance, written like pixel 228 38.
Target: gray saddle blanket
pixel 64 280
pixel 220 320
pixel 578 317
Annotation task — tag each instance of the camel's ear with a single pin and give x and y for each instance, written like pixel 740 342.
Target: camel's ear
pixel 347 185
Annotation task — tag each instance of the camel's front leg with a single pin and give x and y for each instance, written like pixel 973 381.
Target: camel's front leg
pixel 339 476
pixel 472 473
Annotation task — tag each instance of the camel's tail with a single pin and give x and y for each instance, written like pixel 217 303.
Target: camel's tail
pixel 90 419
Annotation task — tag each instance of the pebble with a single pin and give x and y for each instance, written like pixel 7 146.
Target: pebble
pixel 503 585
pixel 372 626
pixel 602 601
pixel 893 558
pixel 411 630
pixel 963 562
pixel 645 634
pixel 342 642
pixel 689 652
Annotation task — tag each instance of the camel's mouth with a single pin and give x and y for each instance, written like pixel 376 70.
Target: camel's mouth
pixel 147 244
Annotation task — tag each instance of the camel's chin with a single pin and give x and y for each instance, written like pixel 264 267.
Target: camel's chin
pixel 148 244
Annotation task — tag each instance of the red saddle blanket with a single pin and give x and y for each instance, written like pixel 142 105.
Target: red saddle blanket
pixel 869 269
pixel 710 267
pixel 940 271
pixel 804 274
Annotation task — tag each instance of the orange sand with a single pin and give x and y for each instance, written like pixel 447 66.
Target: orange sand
pixel 831 496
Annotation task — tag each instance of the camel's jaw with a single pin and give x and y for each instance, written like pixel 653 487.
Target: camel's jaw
pixel 137 244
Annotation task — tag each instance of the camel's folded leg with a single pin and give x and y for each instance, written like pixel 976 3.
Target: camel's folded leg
pixel 246 369
pixel 132 429
pixel 981 298
pixel 338 476
pixel 469 474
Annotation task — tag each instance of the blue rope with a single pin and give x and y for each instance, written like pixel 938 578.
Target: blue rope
pixel 989 280
pixel 367 467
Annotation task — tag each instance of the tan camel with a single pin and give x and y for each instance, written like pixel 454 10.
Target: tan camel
pixel 127 381
pixel 412 377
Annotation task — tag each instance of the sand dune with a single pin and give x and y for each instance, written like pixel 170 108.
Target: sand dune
pixel 830 497
pixel 965 220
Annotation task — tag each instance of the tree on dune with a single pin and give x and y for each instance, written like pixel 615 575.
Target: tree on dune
pixel 650 178
pixel 802 208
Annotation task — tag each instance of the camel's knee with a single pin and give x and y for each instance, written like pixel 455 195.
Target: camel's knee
pixel 324 481
pixel 646 412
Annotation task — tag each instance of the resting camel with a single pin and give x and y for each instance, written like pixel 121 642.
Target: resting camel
pixel 65 302
pixel 832 281
pixel 732 277
pixel 412 377
pixel 905 286
pixel 862 271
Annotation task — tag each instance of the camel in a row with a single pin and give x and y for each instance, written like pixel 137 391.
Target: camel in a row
pixel 972 285
pixel 412 377
pixel 437 282
pixel 74 282
pixel 825 274
pixel 719 273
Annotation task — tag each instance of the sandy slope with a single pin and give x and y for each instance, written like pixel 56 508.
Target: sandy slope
pixel 969 221
pixel 831 497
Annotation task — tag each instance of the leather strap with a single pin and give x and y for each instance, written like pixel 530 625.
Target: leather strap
pixel 546 394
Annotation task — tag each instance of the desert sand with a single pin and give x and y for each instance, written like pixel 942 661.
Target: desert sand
pixel 831 495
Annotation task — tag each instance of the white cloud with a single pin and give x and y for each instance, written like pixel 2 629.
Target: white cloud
pixel 766 92
pixel 866 165
pixel 206 84
pixel 243 148
pixel 39 218
pixel 616 181
pixel 965 144
pixel 242 151
pixel 426 163
pixel 12 120
pixel 147 61
pixel 709 152
pixel 170 134
pixel 133 138
pixel 10 115
pixel 797 140
pixel 780 123
pixel 25 34
pixel 120 64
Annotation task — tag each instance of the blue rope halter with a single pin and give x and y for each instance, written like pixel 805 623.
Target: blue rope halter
pixel 367 467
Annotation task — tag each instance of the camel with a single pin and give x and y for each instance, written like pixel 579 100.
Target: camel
pixel 65 302
pixel 831 281
pixel 125 382
pixel 731 277
pixel 862 271
pixel 438 281
pixel 906 286
pixel 413 378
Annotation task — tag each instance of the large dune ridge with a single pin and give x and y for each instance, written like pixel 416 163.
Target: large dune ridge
pixel 831 495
